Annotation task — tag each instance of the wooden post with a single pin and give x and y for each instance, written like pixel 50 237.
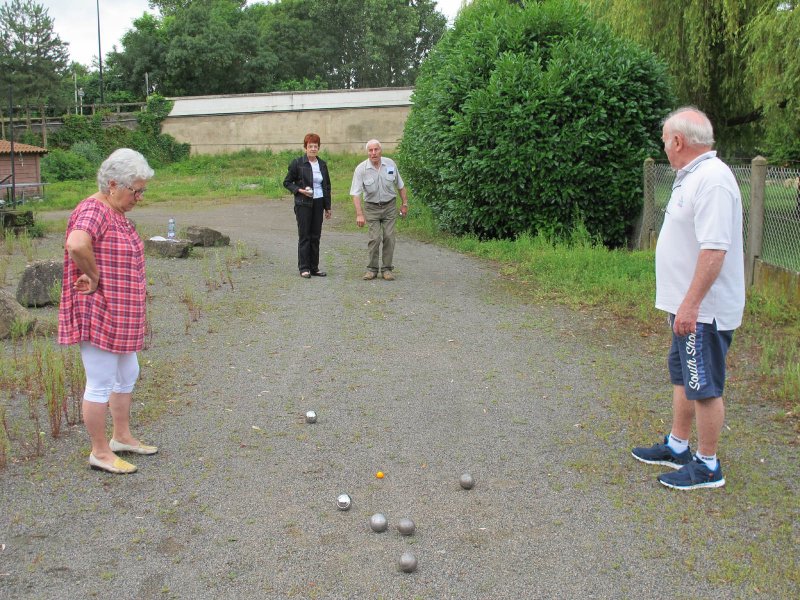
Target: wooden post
pixel 649 205
pixel 44 127
pixel 755 233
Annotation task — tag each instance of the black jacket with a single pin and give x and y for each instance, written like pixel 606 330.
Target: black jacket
pixel 301 176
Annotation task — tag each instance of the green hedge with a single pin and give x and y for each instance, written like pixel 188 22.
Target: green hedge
pixel 530 117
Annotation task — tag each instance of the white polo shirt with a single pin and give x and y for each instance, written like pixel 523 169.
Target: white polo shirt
pixel 704 213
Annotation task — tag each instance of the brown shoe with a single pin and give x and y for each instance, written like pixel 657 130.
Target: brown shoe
pixel 369 275
pixel 388 276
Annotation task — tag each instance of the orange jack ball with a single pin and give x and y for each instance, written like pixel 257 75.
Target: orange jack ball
pixel 379 474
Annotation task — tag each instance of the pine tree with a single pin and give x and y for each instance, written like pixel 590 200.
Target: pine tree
pixel 33 59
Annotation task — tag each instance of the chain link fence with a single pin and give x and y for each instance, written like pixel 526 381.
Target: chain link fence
pixel 770 201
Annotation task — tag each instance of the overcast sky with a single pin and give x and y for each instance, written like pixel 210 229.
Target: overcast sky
pixel 75 22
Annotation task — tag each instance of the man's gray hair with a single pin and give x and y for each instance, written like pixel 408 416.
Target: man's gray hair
pixel 693 124
pixel 123 166
pixel 373 141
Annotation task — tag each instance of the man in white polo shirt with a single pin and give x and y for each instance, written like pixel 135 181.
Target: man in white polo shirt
pixel 700 284
pixel 379 181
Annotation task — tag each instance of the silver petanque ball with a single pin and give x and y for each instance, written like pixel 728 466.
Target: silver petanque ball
pixel 378 522
pixel 406 526
pixel 343 502
pixel 467 481
pixel 408 562
pixel 311 417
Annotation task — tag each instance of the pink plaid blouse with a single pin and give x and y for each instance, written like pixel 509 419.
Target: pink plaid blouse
pixel 113 318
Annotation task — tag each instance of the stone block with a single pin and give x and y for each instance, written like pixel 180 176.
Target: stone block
pixel 36 284
pixel 12 312
pixel 205 236
pixel 168 248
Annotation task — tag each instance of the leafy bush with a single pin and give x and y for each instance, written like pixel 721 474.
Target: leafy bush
pixel 90 151
pixel 531 117
pixel 78 128
pixel 31 138
pixel 61 165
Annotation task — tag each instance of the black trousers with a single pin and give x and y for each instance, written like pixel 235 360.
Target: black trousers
pixel 309 232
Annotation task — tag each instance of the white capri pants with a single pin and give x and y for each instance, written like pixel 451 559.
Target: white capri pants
pixel 107 372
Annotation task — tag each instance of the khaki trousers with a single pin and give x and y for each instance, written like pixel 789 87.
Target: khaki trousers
pixel 381 233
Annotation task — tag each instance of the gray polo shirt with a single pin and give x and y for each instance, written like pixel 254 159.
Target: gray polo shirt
pixel 377 185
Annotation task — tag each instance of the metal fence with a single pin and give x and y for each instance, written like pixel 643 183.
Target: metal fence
pixel 771 204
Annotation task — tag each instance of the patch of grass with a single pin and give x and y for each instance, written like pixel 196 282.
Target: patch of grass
pixel 741 535
pixel 215 177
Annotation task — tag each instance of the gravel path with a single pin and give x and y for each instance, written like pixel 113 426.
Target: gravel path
pixel 434 374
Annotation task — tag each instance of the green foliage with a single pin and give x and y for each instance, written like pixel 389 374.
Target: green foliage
pixel 531 118
pixel 158 109
pixel 306 84
pixel 737 60
pixel 90 143
pixel 774 71
pixel 78 128
pixel 61 165
pixel 89 150
pixel 32 57
pixel 225 46
pixel 30 137
pixel 374 43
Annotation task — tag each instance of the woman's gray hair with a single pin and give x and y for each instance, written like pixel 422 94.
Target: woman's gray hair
pixel 124 166
pixel 693 124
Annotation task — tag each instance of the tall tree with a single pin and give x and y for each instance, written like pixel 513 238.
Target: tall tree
pixel 170 7
pixel 774 72
pixel 214 49
pixel 33 59
pixel 223 46
pixel 142 58
pixel 736 59
pixel 375 43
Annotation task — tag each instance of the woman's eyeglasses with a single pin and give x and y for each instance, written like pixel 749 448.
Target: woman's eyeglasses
pixel 140 192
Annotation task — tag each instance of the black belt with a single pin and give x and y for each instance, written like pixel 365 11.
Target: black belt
pixel 383 203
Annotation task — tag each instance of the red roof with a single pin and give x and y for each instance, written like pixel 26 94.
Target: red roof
pixel 5 148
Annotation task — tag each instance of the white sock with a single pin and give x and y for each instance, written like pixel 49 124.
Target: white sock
pixel 710 461
pixel 677 445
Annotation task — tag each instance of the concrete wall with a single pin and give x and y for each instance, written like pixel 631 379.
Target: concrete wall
pixel 344 120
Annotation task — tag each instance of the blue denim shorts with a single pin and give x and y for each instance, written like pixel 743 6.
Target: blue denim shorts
pixel 697 361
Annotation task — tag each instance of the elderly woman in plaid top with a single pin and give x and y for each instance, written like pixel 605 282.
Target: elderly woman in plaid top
pixel 103 304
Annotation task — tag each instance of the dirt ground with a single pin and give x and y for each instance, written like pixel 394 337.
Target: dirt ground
pixel 438 373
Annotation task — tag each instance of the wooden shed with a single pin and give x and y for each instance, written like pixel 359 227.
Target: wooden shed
pixel 27 170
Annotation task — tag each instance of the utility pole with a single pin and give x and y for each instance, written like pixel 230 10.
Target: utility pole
pixel 11 139
pixel 99 52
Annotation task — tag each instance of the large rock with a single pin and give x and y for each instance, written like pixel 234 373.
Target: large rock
pixel 13 314
pixel 205 236
pixel 39 282
pixel 168 248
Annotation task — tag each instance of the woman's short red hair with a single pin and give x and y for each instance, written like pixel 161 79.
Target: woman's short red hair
pixel 311 138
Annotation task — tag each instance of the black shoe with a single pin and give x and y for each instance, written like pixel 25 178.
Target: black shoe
pixel 319 273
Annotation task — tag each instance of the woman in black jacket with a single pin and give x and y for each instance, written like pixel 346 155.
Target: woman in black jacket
pixel 310 183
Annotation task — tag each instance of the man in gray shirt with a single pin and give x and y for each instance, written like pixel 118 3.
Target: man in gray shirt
pixel 379 181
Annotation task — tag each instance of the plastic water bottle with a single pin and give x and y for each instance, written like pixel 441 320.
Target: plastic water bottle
pixel 171 229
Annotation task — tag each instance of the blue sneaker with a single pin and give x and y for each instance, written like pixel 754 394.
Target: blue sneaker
pixel 662 454
pixel 694 475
